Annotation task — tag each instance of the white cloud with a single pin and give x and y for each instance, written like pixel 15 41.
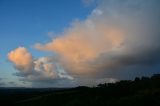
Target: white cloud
pixel 97 12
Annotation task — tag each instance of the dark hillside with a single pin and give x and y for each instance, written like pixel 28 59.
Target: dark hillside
pixel 140 92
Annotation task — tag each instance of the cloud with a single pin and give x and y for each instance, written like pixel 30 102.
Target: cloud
pixel 79 48
pixel 2 83
pixel 119 39
pixel 117 35
pixel 41 70
pixel 22 58
pixel 88 2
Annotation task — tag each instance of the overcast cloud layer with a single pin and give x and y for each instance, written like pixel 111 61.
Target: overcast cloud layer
pixel 118 40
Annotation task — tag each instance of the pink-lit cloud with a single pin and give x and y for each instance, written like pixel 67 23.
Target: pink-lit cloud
pixel 34 70
pixel 116 38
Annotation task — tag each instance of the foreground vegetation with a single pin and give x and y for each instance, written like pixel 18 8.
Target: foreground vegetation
pixel 140 92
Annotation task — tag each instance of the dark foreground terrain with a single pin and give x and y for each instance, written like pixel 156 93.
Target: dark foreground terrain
pixel 140 92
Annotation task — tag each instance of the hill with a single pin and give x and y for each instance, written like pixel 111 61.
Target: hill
pixel 140 92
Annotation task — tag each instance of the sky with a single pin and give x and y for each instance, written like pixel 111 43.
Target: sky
pixel 66 43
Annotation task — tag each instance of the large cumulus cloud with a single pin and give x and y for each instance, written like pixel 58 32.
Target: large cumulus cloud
pixel 117 35
pixel 119 39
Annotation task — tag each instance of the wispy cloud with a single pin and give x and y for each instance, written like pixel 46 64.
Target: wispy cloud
pixel 88 2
